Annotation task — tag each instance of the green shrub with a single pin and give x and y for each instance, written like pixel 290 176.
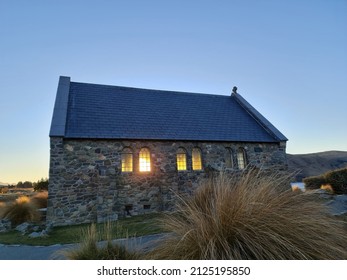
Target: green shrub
pixel 314 182
pixel 251 217
pixel 41 185
pixel 20 211
pixel 91 248
pixel 338 180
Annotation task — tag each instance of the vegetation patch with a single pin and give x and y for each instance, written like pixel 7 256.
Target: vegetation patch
pixel 20 211
pixel 40 199
pixel 337 179
pixel 252 216
pixel 92 249
pixel 133 226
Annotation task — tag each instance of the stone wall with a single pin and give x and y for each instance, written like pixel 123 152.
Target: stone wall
pixel 87 185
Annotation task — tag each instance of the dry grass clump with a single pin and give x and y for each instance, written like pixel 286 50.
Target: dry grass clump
pixel 40 199
pixel 2 207
pixel 252 216
pixel 20 211
pixel 92 249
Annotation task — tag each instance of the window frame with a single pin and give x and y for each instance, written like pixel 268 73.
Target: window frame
pixel 183 161
pixel 229 160
pixel 199 163
pixel 241 158
pixel 126 167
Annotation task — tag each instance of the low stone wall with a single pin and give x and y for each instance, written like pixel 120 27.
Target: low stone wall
pixel 87 185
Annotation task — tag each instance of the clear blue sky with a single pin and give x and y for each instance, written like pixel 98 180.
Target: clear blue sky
pixel 288 59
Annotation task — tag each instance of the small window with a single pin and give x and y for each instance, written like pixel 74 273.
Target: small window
pixel 145 160
pixel 127 160
pixel 196 159
pixel 146 206
pixel 181 159
pixel 128 208
pixel 229 158
pixel 241 158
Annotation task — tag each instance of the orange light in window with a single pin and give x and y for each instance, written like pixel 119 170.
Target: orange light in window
pixel 181 161
pixel 196 159
pixel 127 162
pixel 145 160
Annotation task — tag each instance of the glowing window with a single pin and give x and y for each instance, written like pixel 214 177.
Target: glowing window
pixel 127 160
pixel 145 160
pixel 241 158
pixel 181 159
pixel 196 159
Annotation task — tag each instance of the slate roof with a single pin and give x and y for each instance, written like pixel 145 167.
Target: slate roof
pixel 84 110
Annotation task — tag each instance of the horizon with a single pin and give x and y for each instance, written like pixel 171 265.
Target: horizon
pixel 287 58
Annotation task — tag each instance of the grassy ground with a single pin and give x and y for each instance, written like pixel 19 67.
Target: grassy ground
pixel 134 226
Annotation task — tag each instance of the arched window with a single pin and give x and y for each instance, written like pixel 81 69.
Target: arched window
pixel 229 158
pixel 241 158
pixel 196 159
pixel 181 159
pixel 145 160
pixel 127 160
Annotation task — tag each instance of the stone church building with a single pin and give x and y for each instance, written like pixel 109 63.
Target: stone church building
pixel 117 151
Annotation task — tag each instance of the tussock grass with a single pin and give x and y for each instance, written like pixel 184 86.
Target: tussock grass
pixel 40 199
pixel 2 207
pixel 254 215
pixel 92 249
pixel 20 211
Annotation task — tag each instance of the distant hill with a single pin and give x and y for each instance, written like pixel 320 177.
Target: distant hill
pixel 316 163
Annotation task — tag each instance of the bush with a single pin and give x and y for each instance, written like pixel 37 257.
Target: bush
pixel 91 249
pixel 4 190
pixel 338 180
pixel 20 211
pixel 41 185
pixel 314 182
pixel 251 217
pixel 40 199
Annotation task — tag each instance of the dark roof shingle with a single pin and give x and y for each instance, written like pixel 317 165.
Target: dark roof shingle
pixel 114 112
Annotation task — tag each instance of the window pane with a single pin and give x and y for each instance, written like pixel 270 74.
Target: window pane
pixel 229 162
pixel 241 158
pixel 181 161
pixel 127 162
pixel 196 159
pixel 145 160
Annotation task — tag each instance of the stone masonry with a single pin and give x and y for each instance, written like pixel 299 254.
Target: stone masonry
pixel 87 185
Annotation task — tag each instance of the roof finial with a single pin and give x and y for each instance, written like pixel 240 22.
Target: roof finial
pixel 234 90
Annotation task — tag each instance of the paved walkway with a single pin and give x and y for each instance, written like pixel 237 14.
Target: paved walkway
pixel 26 252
